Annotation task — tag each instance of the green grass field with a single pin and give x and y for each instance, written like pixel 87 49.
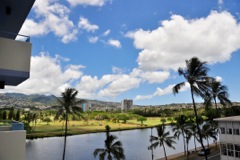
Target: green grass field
pixel 80 127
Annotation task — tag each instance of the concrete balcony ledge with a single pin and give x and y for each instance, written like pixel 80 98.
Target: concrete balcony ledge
pixel 13 145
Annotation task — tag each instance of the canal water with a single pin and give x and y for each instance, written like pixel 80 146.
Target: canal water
pixel 81 147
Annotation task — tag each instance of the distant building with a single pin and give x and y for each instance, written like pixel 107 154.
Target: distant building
pixel 126 104
pixel 229 137
pixel 86 106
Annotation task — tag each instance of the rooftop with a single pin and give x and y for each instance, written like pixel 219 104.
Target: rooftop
pixel 228 119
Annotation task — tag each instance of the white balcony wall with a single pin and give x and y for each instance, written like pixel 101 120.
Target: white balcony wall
pixel 15 59
pixel 13 145
pixel 15 55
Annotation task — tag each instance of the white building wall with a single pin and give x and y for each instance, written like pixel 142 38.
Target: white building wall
pixel 13 145
pixel 227 138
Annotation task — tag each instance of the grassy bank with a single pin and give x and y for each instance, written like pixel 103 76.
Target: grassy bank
pixel 93 126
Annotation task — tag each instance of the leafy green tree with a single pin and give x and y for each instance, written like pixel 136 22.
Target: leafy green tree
pixel 18 115
pixel 35 117
pixel 1 114
pixel 11 114
pixel 68 105
pixel 163 120
pixel 28 117
pixel 47 120
pixel 123 117
pixel 163 138
pixel 111 148
pixel 4 115
pixel 141 119
pixel 196 76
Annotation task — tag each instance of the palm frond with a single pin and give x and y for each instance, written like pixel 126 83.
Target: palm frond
pixel 177 87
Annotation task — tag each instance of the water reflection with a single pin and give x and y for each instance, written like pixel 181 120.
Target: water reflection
pixel 81 147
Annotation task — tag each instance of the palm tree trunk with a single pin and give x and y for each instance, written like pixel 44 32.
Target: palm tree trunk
pixel 184 144
pixel 65 137
pixel 151 144
pixel 197 122
pixel 194 138
pixel 215 101
pixel 207 142
pixel 165 152
pixel 187 152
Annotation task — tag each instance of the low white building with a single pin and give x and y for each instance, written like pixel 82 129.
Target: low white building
pixel 229 137
pixel 126 104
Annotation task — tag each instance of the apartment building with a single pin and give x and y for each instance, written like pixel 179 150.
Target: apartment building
pixel 229 137
pixel 126 104
pixel 15 56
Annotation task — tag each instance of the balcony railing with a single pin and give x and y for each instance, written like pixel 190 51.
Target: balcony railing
pixel 18 37
pixel 11 125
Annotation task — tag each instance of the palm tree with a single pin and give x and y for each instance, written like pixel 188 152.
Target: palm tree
pixel 209 131
pixel 68 105
pixel 112 149
pixel 189 135
pixel 219 91
pixel 179 128
pixel 195 74
pixel 193 129
pixel 161 139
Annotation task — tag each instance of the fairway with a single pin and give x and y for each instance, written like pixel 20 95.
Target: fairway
pixel 56 128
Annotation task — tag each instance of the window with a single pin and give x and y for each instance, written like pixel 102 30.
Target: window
pixel 229 131
pixel 237 150
pixel 222 130
pixel 223 149
pixel 230 149
pixel 236 131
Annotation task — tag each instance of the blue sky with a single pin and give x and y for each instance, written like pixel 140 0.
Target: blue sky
pixel 116 49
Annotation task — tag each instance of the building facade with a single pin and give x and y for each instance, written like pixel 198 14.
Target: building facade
pixel 86 106
pixel 15 57
pixel 229 137
pixel 126 104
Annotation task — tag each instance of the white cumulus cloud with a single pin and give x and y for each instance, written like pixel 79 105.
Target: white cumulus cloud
pixel 50 17
pixel 213 39
pixel 86 25
pixel 47 76
pixel 115 43
pixel 161 92
pixel 120 85
pixel 107 32
pixel 93 39
pixel 151 76
pixel 87 2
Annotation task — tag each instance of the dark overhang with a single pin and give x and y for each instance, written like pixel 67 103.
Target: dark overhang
pixel 12 16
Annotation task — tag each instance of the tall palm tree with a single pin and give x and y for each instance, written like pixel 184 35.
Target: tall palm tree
pixel 189 135
pixel 161 139
pixel 68 105
pixel 112 149
pixel 179 128
pixel 195 74
pixel 193 129
pixel 219 92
